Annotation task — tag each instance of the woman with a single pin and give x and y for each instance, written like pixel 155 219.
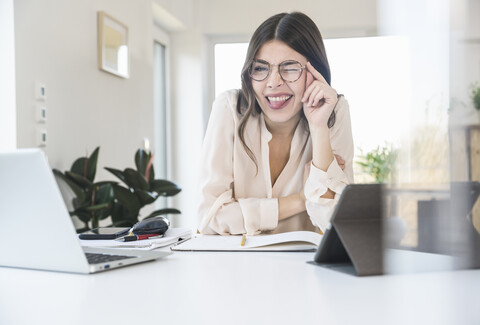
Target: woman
pixel 268 162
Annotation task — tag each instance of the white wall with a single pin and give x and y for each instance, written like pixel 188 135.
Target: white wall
pixel 56 44
pixel 8 124
pixel 334 18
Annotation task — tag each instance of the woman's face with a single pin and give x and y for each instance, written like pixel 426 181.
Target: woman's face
pixel 279 100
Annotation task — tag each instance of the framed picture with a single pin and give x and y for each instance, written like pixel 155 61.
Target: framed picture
pixel 113 54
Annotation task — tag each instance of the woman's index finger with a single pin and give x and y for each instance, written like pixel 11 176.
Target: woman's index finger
pixel 317 75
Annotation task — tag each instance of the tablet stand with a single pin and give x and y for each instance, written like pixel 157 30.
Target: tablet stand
pixel 354 240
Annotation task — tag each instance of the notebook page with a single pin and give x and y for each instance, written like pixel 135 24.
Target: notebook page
pixel 290 241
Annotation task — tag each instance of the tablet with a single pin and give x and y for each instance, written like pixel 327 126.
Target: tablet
pixel 353 239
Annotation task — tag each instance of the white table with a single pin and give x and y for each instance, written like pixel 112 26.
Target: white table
pixel 237 288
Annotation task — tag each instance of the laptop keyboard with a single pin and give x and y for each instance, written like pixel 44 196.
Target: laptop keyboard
pixel 94 258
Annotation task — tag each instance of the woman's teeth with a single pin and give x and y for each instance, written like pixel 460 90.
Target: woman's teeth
pixel 279 99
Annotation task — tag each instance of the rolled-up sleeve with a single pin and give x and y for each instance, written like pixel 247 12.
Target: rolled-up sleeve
pixel 318 182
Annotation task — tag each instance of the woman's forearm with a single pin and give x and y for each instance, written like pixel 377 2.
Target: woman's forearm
pixel 322 154
pixel 290 205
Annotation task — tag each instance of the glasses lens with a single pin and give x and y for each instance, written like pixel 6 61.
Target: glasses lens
pixel 259 71
pixel 290 70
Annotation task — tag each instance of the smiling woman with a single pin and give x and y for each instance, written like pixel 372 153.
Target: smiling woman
pixel 269 154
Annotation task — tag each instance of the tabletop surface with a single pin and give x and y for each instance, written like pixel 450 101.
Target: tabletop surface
pixel 237 288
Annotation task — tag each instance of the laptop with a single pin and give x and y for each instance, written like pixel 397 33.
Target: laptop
pixel 37 230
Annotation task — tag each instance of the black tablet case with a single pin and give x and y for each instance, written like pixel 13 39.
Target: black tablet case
pixel 353 241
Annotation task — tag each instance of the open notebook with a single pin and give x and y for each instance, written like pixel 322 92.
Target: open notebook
pixel 299 241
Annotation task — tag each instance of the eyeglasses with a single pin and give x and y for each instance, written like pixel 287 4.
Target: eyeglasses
pixel 289 71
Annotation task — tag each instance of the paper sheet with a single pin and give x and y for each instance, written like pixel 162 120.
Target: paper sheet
pixel 173 235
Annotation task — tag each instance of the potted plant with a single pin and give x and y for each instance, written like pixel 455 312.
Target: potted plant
pixel 93 202
pixel 379 163
pixel 141 189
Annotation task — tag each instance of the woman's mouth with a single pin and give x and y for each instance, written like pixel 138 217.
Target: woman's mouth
pixel 278 102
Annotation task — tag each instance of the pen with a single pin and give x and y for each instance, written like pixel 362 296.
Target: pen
pixel 242 242
pixel 138 237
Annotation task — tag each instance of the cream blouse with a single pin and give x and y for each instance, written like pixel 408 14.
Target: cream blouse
pixel 235 199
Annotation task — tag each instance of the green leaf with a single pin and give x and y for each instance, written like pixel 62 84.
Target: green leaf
pixel 102 183
pixel 86 167
pixel 79 166
pixel 100 211
pixel 103 193
pixel 141 160
pixel 164 187
pixel 97 207
pixel 80 230
pixel 162 212
pixel 79 180
pixel 151 176
pixel 118 173
pixel 146 197
pixel 127 199
pixel 82 214
pixel 77 190
pixel 135 179
pixel 122 216
pixel 92 164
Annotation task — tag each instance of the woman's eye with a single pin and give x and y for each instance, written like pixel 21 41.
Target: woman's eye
pixel 290 70
pixel 260 69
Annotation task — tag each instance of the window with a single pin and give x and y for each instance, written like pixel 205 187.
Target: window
pixel 160 104
pixel 229 60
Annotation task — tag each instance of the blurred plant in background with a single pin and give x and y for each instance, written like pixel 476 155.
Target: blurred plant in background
pixel 379 163
pixel 475 95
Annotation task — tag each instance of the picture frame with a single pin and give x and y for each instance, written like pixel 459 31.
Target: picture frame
pixel 113 51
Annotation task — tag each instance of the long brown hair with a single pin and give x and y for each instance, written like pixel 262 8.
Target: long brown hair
pixel 300 33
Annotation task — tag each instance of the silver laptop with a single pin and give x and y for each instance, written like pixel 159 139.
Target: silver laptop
pixel 36 229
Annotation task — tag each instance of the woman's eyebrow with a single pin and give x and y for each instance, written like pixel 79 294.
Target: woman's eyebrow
pixel 262 61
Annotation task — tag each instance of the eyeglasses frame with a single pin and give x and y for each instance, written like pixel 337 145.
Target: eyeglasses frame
pixel 303 67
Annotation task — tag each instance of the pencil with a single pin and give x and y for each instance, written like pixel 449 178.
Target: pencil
pixel 242 243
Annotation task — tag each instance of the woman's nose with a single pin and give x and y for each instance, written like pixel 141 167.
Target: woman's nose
pixel 274 79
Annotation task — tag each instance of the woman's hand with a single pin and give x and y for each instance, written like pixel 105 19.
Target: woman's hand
pixel 319 99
